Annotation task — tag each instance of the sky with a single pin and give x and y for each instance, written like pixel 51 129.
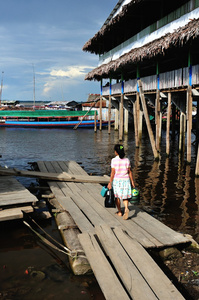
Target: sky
pixel 43 39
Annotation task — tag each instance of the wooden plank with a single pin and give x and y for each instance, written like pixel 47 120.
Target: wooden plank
pixel 162 232
pixel 54 176
pixel 79 218
pixel 17 199
pixel 108 281
pixel 13 192
pixel 10 184
pixel 14 213
pixel 140 225
pixel 157 280
pixel 129 274
pixel 113 220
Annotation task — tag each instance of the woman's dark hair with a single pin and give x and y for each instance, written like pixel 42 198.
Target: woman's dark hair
pixel 120 150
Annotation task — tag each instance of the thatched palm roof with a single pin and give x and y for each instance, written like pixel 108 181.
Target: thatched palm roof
pixel 134 16
pixel 90 45
pixel 159 47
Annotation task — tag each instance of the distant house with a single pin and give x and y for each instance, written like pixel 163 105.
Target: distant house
pixel 94 104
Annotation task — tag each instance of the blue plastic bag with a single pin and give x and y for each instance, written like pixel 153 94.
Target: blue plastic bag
pixel 104 191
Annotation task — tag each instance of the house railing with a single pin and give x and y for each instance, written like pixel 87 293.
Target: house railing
pixel 168 80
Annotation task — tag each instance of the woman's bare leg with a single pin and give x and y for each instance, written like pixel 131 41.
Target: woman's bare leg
pixel 126 210
pixel 117 202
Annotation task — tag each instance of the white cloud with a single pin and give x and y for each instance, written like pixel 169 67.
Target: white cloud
pixel 71 71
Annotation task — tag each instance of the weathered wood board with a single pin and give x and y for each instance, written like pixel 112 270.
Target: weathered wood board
pixel 14 213
pixel 86 205
pixel 134 275
pixel 137 271
pixel 13 192
pixel 63 176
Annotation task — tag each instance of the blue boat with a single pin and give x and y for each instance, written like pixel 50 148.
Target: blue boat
pixel 49 119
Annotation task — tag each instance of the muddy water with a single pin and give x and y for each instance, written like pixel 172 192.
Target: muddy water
pixel 168 189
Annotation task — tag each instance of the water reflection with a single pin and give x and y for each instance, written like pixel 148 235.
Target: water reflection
pixel 197 204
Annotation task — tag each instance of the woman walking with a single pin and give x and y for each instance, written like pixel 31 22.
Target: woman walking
pixel 121 180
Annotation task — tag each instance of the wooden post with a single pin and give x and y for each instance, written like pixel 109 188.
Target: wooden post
pixel 158 115
pixel 126 117
pixel 168 125
pixel 152 140
pixel 157 119
pixel 173 120
pixel 182 132
pixel 109 110
pixel 116 118
pixel 95 118
pixel 189 123
pixel 135 124
pixel 197 122
pixel 139 112
pixel 189 109
pixel 197 164
pixel 121 124
pixel 140 125
pixel 100 116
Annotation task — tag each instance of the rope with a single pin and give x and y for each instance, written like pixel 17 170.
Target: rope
pixel 74 254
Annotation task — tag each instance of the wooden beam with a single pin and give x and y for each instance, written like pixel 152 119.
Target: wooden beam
pixel 100 116
pixel 168 125
pixel 157 119
pixel 135 118
pixel 126 117
pixel 151 136
pixel 189 122
pixel 55 176
pixel 121 125
pixel 182 132
pixel 197 164
pixel 109 115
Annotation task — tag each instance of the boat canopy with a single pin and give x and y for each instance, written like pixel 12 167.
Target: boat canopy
pixel 44 113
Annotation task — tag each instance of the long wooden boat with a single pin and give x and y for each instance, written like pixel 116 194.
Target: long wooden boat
pixel 48 119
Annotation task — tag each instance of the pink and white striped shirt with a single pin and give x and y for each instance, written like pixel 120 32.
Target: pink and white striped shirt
pixel 121 166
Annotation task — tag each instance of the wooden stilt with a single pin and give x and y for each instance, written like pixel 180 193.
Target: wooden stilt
pixel 140 125
pixel 173 120
pixel 197 122
pixel 100 115
pixel 182 132
pixel 116 118
pixel 121 118
pixel 109 115
pixel 95 118
pixel 197 164
pixel 126 117
pixel 152 140
pixel 168 125
pixel 135 124
pixel 157 119
pixel 189 122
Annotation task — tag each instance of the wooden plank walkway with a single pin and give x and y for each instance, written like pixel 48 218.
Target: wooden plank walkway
pixel 136 271
pixel 14 198
pixel 85 204
pixel 129 272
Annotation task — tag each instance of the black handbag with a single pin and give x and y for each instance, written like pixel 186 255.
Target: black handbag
pixel 109 199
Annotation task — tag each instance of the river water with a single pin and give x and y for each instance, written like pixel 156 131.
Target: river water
pixel 168 190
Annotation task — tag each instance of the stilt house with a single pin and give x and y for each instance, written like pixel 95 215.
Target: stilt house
pixel 149 52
